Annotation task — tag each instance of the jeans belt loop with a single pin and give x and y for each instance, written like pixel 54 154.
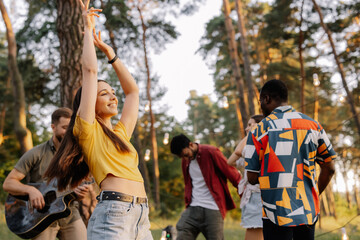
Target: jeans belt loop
pixel 134 201
pixel 101 194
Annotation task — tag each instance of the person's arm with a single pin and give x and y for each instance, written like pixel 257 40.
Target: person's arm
pixel 13 186
pixel 237 153
pixel 130 110
pixel 253 177
pixel 252 158
pixel 325 157
pixel 230 172
pixel 89 65
pixel 327 170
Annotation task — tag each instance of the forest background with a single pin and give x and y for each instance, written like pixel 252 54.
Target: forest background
pixel 311 45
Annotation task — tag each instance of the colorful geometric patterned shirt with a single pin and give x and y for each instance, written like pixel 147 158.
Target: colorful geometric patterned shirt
pixel 283 149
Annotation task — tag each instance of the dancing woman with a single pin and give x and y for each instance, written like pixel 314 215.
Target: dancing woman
pixel 251 207
pixel 93 144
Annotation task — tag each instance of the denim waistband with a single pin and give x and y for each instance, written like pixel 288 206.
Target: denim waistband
pixel 118 196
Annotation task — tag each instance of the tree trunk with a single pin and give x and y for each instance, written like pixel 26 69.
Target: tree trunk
pixel 259 58
pixel 196 115
pixel 357 200
pixel 22 133
pixel 324 205
pixel 356 194
pixel 152 120
pixel 340 67
pixel 331 199
pixel 256 100
pixel 142 165
pixel 347 193
pixel 301 59
pixel 316 104
pixel 235 63
pixel 237 106
pixel 246 56
pixel 69 26
pixel 3 112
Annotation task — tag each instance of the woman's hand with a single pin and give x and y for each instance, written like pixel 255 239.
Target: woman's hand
pixel 81 191
pixel 103 46
pixel 88 14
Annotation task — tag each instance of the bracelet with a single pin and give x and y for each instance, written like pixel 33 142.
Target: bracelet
pixel 113 60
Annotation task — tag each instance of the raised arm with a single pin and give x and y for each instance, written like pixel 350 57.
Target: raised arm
pixel 89 65
pixel 237 153
pixel 130 110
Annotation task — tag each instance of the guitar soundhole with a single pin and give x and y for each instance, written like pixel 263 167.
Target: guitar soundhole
pixel 49 197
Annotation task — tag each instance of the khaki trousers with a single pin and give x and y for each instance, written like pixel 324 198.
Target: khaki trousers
pixel 72 231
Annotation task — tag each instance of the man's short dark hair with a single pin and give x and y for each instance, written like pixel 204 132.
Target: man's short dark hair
pixel 178 143
pixel 276 89
pixel 60 112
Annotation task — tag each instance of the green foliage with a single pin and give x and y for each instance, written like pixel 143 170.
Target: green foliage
pixel 191 6
pixel 160 32
pixel 279 23
pixel 171 181
pixel 121 23
pixel 35 82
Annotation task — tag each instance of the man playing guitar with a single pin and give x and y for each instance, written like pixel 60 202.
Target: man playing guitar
pixel 32 166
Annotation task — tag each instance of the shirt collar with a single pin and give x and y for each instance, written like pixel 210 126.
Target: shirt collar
pixel 52 146
pixel 198 150
pixel 283 109
pixel 197 153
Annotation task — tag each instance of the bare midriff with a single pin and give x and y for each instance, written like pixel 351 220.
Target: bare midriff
pixel 112 183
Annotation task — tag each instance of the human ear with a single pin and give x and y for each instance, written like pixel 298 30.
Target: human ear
pixel 267 99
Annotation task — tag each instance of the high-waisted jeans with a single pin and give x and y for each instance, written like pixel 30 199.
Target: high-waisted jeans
pixel 114 219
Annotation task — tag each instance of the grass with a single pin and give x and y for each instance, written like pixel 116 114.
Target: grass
pixel 232 229
pixel 330 228
pixel 5 233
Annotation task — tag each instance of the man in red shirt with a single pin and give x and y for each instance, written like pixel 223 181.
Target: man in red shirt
pixel 207 195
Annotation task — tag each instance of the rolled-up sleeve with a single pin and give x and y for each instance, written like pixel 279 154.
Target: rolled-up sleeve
pixel 325 150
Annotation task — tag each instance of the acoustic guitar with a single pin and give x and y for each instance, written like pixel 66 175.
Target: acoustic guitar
pixel 28 222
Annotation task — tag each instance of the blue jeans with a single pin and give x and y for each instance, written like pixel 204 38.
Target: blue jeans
pixel 114 219
pixel 251 213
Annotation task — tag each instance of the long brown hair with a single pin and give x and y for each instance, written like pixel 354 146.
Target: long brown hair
pixel 68 165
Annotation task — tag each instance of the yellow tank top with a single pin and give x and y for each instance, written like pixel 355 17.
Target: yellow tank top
pixel 101 155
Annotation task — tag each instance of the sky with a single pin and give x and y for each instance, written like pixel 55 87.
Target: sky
pixel 180 68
